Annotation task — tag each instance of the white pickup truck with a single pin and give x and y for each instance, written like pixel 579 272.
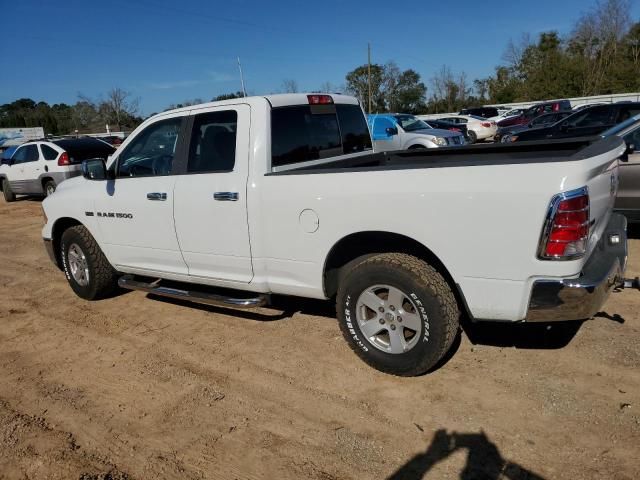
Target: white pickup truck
pixel 282 194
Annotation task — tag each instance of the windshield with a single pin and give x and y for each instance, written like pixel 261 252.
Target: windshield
pixel 621 126
pixel 409 123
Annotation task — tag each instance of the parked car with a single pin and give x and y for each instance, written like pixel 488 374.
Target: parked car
pixel 112 140
pixel 484 112
pixel 586 122
pixel 282 194
pixel 454 127
pixel 546 119
pixel 37 168
pixel 628 196
pixel 403 131
pixel 478 128
pixel 7 153
pixel 535 111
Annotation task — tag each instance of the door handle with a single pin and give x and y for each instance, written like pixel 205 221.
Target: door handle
pixel 157 196
pixel 226 196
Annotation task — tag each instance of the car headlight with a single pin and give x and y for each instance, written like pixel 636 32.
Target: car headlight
pixel 440 141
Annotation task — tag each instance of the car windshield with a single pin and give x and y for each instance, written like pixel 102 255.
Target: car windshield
pixel 409 123
pixel 621 126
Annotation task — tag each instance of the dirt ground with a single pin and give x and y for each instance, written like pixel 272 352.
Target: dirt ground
pixel 143 388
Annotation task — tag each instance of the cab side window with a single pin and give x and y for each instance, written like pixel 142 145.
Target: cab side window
pixel 151 152
pixel 213 142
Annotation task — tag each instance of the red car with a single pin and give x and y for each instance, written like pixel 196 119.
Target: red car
pixel 535 111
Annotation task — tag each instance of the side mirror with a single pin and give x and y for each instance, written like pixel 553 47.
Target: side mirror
pixel 391 131
pixel 94 169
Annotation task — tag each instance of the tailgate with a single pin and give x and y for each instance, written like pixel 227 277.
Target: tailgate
pixel 601 178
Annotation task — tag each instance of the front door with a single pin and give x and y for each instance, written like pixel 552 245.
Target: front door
pixel 21 172
pixel 135 210
pixel 210 199
pixel 383 139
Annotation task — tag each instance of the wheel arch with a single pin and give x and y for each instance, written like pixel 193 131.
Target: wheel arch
pixel 360 244
pixel 59 227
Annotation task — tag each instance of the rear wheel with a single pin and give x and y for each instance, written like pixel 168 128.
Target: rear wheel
pixel 49 187
pixel 473 138
pixel 9 196
pixel 87 269
pixel 397 313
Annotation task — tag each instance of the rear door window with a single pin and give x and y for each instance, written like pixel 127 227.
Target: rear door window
pixel 302 133
pixel 213 142
pixel 48 153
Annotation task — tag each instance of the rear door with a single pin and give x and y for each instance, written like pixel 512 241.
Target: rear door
pixel 210 197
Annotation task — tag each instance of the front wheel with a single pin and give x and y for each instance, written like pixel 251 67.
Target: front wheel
pixel 9 196
pixel 88 271
pixel 397 313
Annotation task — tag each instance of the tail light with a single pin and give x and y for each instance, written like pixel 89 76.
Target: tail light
pixel 63 159
pixel 486 124
pixel 320 99
pixel 566 228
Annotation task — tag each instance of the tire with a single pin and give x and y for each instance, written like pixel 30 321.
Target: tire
pixel 428 305
pixel 9 196
pixel 49 187
pixel 473 138
pixel 87 269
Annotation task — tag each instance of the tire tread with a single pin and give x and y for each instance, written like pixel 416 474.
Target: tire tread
pixel 429 277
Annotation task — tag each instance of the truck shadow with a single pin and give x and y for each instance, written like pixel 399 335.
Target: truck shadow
pixel 533 336
pixel 484 460
pixel 633 230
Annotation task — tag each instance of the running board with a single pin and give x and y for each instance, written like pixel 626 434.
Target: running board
pixel 128 282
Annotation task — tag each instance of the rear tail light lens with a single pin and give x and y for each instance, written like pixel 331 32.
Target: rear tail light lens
pixel 63 159
pixel 486 124
pixel 320 99
pixel 566 229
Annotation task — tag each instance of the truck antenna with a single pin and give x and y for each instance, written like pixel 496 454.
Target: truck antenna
pixel 244 91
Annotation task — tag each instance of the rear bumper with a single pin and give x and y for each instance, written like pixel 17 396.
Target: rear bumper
pixel 581 298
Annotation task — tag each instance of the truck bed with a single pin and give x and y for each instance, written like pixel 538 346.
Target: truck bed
pixel 547 151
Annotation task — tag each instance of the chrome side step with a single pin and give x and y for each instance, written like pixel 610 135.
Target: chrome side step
pixel 130 283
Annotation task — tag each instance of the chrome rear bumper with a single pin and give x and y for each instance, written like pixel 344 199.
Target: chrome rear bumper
pixel 581 298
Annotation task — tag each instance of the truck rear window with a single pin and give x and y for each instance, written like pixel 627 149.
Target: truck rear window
pixel 300 133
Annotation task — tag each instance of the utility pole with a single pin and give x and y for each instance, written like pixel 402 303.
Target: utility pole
pixel 369 73
pixel 244 92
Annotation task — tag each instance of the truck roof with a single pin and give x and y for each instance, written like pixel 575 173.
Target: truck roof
pixel 276 100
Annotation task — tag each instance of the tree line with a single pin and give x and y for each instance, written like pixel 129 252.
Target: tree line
pixel 601 55
pixel 117 109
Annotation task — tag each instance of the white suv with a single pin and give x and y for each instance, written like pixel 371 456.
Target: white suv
pixel 36 168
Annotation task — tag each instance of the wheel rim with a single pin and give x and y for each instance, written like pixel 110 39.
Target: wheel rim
pixel 50 189
pixel 78 265
pixel 389 319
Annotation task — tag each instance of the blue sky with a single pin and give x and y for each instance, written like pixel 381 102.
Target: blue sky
pixel 169 51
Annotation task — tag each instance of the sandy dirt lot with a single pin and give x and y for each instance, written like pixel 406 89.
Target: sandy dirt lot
pixel 143 388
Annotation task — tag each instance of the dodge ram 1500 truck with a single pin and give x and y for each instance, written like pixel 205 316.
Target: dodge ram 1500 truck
pixel 282 194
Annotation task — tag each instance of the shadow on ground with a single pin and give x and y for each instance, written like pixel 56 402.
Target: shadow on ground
pixel 484 460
